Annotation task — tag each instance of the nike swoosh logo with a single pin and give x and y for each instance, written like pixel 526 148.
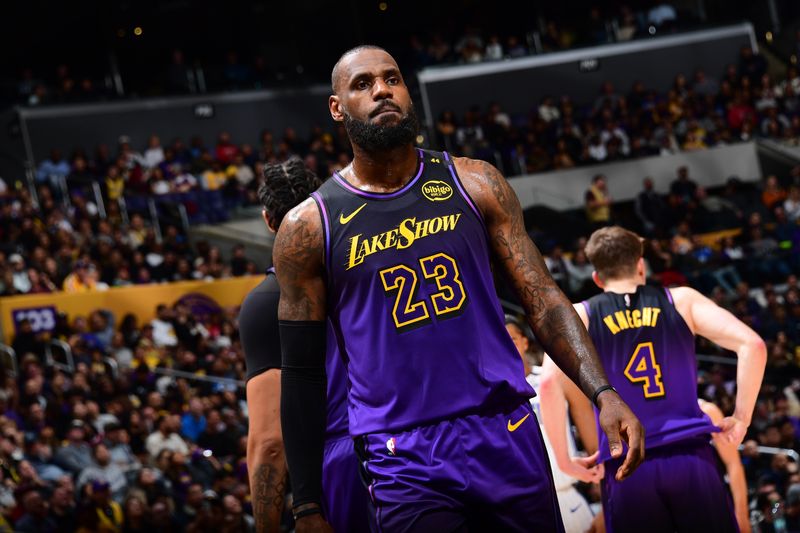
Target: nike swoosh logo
pixel 513 427
pixel 345 219
pixel 576 508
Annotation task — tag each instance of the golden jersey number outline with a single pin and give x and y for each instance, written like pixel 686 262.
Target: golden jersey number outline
pixel 438 268
pixel 643 368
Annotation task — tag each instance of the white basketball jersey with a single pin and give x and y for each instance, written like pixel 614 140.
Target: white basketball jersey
pixel 561 480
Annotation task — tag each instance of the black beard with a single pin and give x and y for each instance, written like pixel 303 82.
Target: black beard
pixel 378 137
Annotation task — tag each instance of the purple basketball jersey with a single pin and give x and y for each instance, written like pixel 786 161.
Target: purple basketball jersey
pixel 337 390
pixel 411 294
pixel 648 353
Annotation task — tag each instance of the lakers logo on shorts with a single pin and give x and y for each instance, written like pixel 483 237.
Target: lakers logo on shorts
pixel 436 191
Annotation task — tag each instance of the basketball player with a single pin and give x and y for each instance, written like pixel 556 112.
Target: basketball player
pixel 575 511
pixel 553 422
pixel 729 455
pixel 345 499
pixel 396 250
pixel 645 337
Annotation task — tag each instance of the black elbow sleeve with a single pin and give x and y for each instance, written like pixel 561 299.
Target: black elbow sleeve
pixel 303 406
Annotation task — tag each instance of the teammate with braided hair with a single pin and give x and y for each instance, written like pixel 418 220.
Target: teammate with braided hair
pixel 286 185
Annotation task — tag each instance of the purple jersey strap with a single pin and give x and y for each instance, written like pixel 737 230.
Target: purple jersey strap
pixel 326 229
pixel 588 308
pixel 669 295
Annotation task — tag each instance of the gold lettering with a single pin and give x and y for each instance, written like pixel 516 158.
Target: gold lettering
pixel 407 233
pixel 609 321
pixel 647 316
pixel 621 320
pixel 637 318
pixel 628 318
pixel 401 237
pixel 450 221
pixel 354 258
pixel 377 245
pixel 390 241
pixel 656 311
pixel 363 250
pixel 422 229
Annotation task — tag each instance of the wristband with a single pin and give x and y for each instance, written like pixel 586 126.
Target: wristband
pixel 306 512
pixel 601 390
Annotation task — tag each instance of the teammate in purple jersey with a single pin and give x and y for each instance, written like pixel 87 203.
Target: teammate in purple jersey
pixel 645 338
pixel 396 250
pixel 345 498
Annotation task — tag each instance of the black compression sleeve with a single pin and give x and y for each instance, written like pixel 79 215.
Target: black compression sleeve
pixel 303 406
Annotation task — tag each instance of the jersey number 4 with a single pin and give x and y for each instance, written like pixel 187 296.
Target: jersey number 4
pixel 402 281
pixel 643 368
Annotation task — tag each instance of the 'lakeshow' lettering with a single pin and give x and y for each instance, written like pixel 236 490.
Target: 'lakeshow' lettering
pixel 403 236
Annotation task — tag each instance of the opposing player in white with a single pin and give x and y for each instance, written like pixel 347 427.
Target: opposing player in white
pixel 575 511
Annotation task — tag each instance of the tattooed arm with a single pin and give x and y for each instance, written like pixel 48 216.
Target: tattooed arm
pixel 266 462
pixel 550 314
pixel 298 262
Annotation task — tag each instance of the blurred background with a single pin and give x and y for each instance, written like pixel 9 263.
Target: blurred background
pixel 133 137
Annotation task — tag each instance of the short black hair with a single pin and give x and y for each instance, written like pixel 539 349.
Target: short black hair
pixel 355 49
pixel 285 185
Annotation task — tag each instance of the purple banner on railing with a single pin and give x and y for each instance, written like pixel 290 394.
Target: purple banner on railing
pixel 41 318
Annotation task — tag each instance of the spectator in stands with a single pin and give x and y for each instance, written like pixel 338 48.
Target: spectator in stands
pixel 242 173
pixel 684 188
pixel 81 279
pixel 650 209
pixel 163 328
pixel 165 437
pixel 470 134
pixel 193 422
pixel 217 436
pixel 100 513
pixel 752 65
pixel 115 183
pixel 180 79
pixel 597 149
pixel 598 203
pixel 158 183
pixel 225 151
pixel 36 518
pixel 773 194
pixel 154 155
pixel 62 508
pixel 136 514
pixel 53 169
pixel 214 178
pixel 21 281
pixel 75 454
pixel 548 111
pixel 562 157
pixel 579 272
pixel 234 515
pixel 494 50
pixel 627 25
pixel 792 204
pixel 106 471
pixel 238 260
pixel 515 48
pixel 40 282
pixel 117 440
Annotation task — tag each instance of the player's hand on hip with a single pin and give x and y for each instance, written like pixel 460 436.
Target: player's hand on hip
pixel 312 524
pixel 619 423
pixel 585 469
pixel 733 430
